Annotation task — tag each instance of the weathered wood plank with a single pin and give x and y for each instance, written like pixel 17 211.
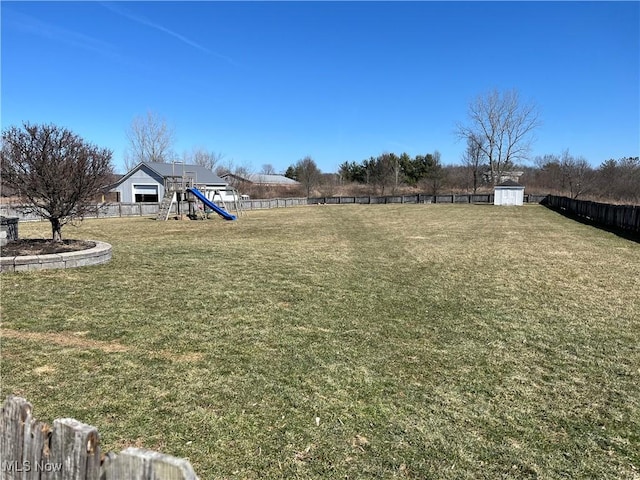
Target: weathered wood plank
pixel 32 450
pixel 36 451
pixel 15 412
pixel 141 464
pixel 75 446
pixel 625 217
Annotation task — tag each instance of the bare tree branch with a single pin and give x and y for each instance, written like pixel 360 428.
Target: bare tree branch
pixel 203 157
pixel 268 169
pixel 55 170
pixel 503 129
pixel 150 140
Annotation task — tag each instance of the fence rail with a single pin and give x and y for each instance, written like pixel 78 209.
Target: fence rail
pixel 417 198
pixel 624 217
pixel 107 210
pixel 70 450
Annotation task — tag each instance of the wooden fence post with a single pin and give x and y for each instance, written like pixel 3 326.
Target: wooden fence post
pixel 16 412
pixel 141 464
pixel 76 447
pixel 31 450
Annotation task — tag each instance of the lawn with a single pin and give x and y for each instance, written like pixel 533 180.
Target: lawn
pixel 409 341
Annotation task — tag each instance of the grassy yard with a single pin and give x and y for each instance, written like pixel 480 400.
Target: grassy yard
pixel 409 341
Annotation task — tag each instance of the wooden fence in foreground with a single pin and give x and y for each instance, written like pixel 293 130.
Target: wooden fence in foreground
pixel 70 450
pixel 624 217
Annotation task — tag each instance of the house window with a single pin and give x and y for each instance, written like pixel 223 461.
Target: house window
pixel 145 193
pixel 141 197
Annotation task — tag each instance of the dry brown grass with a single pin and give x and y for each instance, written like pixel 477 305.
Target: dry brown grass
pixel 413 341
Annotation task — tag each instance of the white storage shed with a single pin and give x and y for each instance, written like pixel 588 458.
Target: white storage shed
pixel 508 193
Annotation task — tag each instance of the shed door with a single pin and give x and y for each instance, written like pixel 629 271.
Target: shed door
pixel 145 193
pixel 509 196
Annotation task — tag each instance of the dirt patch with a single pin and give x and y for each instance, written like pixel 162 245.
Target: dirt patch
pixel 77 340
pixel 66 339
pixel 30 246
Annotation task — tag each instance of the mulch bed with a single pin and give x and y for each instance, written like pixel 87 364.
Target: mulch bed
pixel 29 246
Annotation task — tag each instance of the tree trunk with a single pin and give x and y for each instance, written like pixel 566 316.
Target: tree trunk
pixel 56 230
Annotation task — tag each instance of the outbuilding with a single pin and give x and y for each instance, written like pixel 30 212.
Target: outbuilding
pixel 260 180
pixel 508 193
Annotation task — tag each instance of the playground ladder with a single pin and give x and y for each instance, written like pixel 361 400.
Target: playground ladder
pixel 165 205
pixel 237 206
pixel 224 204
pixel 237 202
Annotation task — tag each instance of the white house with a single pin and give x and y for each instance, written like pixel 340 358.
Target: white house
pixel 508 193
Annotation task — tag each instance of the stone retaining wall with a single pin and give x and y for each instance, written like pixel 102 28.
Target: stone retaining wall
pixel 101 253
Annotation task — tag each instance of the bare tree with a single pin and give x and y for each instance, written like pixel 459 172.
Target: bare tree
pixel 230 166
pixel 239 174
pixel 473 159
pixel 577 174
pixel 503 127
pixel 307 173
pixel 151 139
pixel 203 157
pixel 566 174
pixel 56 171
pixel 268 169
pixel 550 174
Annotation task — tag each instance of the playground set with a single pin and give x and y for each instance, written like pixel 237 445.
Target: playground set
pixel 178 188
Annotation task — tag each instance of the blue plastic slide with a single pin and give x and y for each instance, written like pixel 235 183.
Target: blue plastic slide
pixel 223 213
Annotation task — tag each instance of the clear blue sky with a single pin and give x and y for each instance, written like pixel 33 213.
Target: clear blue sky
pixel 269 83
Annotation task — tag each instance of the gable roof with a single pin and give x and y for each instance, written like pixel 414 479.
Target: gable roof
pixel 280 179
pixel 202 174
pixel 264 179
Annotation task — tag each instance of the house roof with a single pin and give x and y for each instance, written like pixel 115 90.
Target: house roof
pixel 202 174
pixel 509 183
pixel 264 179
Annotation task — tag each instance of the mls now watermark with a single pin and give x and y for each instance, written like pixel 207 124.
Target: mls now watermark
pixel 28 466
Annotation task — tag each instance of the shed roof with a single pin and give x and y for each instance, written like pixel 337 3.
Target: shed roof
pixel 509 183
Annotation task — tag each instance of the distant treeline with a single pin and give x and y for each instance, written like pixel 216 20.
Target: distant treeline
pixel 389 171
pixel 613 181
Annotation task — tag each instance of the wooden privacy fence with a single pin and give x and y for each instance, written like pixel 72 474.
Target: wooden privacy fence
pixel 70 450
pixel 108 210
pixel 417 198
pixel 273 203
pixel 624 217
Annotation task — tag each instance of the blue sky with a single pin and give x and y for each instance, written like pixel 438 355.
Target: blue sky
pixel 273 82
